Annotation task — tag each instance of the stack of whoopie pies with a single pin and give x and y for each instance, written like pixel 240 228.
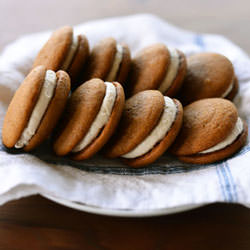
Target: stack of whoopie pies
pixel 131 108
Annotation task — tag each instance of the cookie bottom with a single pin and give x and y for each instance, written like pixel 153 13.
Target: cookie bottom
pixel 177 83
pixel 234 90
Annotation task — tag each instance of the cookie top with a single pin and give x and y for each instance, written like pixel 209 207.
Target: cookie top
pixel 80 112
pixel 205 123
pixel 141 113
pixel 208 75
pixel 101 59
pixel 21 106
pixel 148 68
pixel 55 49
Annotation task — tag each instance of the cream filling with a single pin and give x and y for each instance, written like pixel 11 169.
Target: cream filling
pixel 116 64
pixel 158 133
pixel 171 71
pixel 71 53
pixel 101 118
pixel 238 128
pixel 228 90
pixel 40 108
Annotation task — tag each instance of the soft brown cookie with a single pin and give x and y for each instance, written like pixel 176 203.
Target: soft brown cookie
pixel 109 61
pixel 91 116
pixel 149 124
pixel 163 145
pixel 64 51
pixel 141 114
pixel 157 67
pixel 208 75
pixel 220 154
pixel 35 108
pixel 211 131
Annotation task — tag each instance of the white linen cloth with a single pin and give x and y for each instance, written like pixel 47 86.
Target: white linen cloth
pixel 107 183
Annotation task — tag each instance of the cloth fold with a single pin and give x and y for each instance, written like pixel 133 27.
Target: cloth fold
pixel 107 183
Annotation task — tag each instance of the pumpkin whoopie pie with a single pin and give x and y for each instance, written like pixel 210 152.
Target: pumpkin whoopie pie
pixel 109 61
pixel 92 114
pixel 211 131
pixel 157 67
pixel 149 125
pixel 208 75
pixel 35 108
pixel 64 51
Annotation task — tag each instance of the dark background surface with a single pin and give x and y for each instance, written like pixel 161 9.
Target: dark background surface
pixel 36 223
pixel 227 17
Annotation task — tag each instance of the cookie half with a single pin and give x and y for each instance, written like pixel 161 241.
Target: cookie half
pixel 211 131
pixel 64 51
pixel 149 125
pixel 91 116
pixel 108 61
pixel 157 67
pixel 208 75
pixel 35 108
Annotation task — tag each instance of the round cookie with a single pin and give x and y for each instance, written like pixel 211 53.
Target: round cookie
pixel 211 131
pixel 208 75
pixel 109 61
pixel 157 67
pixel 91 116
pixel 149 125
pixel 35 108
pixel 64 51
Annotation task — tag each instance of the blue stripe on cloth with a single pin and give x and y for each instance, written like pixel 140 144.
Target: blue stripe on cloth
pixel 221 182
pixel 199 41
pixel 234 187
pixel 227 182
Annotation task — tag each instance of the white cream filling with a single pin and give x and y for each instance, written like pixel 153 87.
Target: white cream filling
pixel 40 108
pixel 158 133
pixel 71 53
pixel 228 90
pixel 101 118
pixel 116 64
pixel 171 71
pixel 238 128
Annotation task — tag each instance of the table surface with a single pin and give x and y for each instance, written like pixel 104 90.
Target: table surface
pixel 36 223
